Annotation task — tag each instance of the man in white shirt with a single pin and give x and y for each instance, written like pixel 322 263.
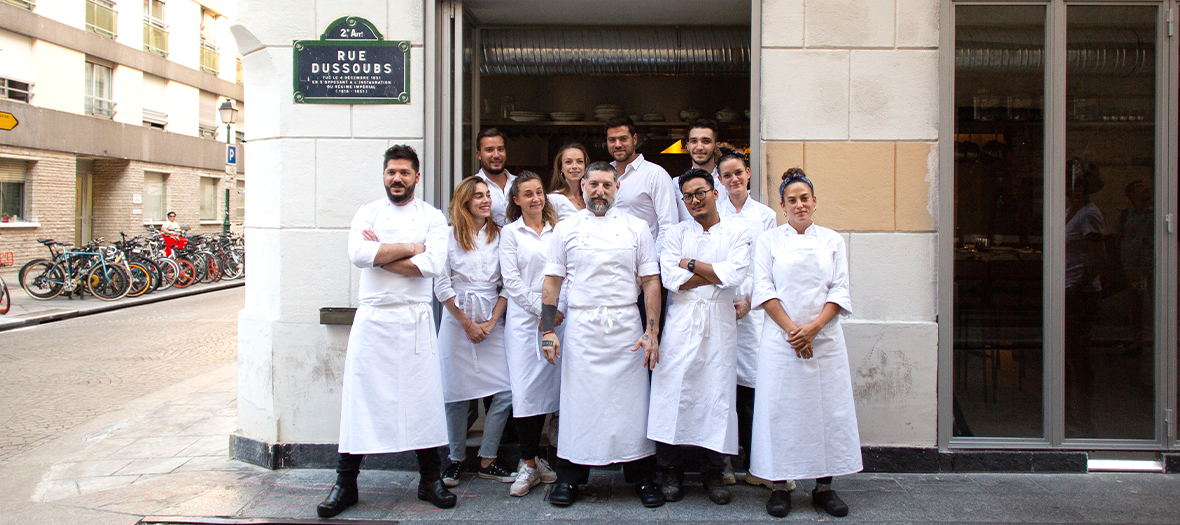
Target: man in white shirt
pixel 493 159
pixel 702 149
pixel 645 189
pixel 693 393
pixel 392 394
pixel 608 255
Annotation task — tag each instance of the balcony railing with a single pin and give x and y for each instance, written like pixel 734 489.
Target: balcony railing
pixel 15 90
pixel 209 57
pixel 101 18
pixel 155 36
pixel 100 107
pixel 27 4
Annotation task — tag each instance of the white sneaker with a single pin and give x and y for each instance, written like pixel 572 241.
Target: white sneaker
pixel 547 473
pixel 526 478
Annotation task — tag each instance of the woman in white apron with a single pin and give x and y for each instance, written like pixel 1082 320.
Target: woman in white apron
pixel 536 384
pixel 471 334
pixel 804 415
pixel 756 217
pixel 568 166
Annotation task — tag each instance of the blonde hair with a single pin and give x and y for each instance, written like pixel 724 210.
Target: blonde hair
pixel 462 220
pixel 557 182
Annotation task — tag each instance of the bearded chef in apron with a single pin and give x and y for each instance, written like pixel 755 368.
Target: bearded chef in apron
pixel 702 263
pixel 607 352
pixel 804 415
pixel 392 395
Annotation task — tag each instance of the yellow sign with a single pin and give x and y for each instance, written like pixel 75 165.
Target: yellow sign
pixel 7 121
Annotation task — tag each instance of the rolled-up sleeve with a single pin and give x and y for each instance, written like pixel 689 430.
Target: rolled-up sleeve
pixel 732 271
pixel 663 191
pixel 432 262
pixel 646 259
pixel 838 290
pixel 514 286
pixel 763 277
pixel 555 260
pixel 443 289
pixel 362 253
pixel 671 274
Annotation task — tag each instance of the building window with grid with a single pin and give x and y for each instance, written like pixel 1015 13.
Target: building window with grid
pixel 155 196
pixel 12 190
pixel 26 4
pixel 209 52
pixel 101 18
pixel 99 98
pixel 15 90
pixel 240 201
pixel 209 199
pixel 155 31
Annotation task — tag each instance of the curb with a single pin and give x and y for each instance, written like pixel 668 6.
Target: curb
pixel 60 315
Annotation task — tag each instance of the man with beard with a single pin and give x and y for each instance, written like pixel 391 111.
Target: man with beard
pixel 492 161
pixel 645 189
pixel 693 391
pixel 702 149
pixel 607 255
pixel 392 395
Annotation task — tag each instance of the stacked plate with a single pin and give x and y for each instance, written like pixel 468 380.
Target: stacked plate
pixel 605 112
pixel 526 116
pixel 565 116
pixel 654 117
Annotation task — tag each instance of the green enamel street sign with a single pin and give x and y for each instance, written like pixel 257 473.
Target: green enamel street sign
pixel 352 63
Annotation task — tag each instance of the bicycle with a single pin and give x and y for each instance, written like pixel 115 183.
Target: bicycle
pixel 5 296
pixel 99 270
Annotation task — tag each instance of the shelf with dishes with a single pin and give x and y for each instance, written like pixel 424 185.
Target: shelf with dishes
pixel 599 124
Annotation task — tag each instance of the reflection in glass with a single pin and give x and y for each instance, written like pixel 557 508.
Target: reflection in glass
pixel 1109 230
pixel 999 224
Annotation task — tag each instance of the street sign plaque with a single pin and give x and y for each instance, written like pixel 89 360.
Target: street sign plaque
pixel 351 63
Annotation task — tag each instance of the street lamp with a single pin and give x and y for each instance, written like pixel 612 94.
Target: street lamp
pixel 228 113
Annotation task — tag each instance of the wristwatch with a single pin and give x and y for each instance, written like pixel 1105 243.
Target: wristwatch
pixel 692 263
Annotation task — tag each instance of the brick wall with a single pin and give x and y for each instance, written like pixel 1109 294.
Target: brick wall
pixel 49 201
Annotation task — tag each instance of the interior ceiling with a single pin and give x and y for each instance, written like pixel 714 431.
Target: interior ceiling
pixel 610 12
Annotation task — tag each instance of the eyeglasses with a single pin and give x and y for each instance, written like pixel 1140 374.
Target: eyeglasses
pixel 699 195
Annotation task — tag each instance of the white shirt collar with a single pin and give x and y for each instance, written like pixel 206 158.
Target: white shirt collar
pixel 634 165
pixel 483 175
pixel 791 229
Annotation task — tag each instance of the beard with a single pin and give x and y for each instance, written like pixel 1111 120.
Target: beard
pixel 405 197
pixel 488 169
pixel 598 205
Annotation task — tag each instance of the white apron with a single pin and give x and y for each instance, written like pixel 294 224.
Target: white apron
pixel 804 415
pixel 392 396
pixel 536 384
pixel 757 218
pixel 692 395
pixel 472 371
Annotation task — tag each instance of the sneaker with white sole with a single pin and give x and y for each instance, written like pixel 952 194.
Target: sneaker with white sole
pixel 547 473
pixel 496 472
pixel 526 478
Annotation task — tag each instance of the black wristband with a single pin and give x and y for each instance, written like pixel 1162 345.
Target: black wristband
pixel 548 317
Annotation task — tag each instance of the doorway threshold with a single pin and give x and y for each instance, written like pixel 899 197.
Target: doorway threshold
pixel 1125 465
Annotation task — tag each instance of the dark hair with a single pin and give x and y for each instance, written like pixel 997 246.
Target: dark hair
pixel 727 154
pixel 704 123
pixel 548 214
pixel 602 165
pixel 621 121
pixel 695 173
pixel 169 214
pixel 1131 185
pixel 557 183
pixel 488 132
pixel 401 152
pixel 792 176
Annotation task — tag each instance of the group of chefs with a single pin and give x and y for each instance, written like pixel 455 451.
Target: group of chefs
pixel 670 322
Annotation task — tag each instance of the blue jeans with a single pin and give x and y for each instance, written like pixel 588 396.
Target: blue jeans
pixel 493 426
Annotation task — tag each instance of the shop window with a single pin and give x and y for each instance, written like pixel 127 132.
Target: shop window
pixel 99 97
pixel 240 201
pixel 15 90
pixel 12 190
pixel 155 31
pixel 101 18
pixel 209 206
pixel 155 196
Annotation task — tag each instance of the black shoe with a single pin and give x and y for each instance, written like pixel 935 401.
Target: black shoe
pixel 650 494
pixel 779 504
pixel 563 494
pixel 496 472
pixel 341 497
pixel 830 502
pixel 437 494
pixel 450 476
pixel 715 486
pixel 672 481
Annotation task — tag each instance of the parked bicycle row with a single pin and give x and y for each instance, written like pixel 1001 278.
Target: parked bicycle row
pixel 132 267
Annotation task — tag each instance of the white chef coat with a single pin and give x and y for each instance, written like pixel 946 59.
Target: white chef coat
pixel 804 415
pixel 536 384
pixel 392 394
pixel 757 218
pixel 604 385
pixel 693 398
pixel 471 371
pixel 499 196
pixel 646 191
pixel 562 205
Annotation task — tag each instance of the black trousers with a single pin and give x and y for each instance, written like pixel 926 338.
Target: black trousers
pixel 674 457
pixel 642 469
pixel 429 466
pixel 528 432
pixel 745 413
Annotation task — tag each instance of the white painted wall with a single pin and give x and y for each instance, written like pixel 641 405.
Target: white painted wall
pixel 184 33
pixel 128 90
pixel 16 52
pixel 183 108
pixel 69 12
pixel 130 23
pixel 60 76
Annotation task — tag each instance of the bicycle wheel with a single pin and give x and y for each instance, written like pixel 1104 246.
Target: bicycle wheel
pixel 214 268
pixel 141 280
pixel 153 272
pixel 187 274
pixel 230 268
pixel 41 279
pixel 5 298
pixel 169 271
pixel 108 282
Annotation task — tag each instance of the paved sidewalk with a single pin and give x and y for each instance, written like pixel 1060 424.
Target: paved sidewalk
pixel 166 455
pixel 26 311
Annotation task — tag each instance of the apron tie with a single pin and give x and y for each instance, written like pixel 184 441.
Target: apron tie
pixel 473 299
pixel 424 328
pixel 607 314
pixel 701 317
